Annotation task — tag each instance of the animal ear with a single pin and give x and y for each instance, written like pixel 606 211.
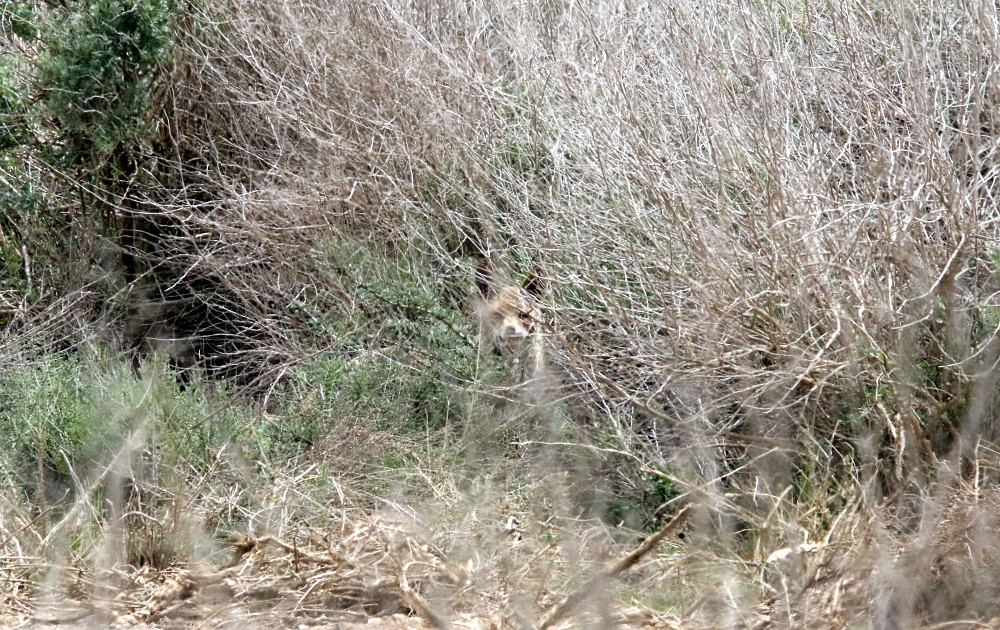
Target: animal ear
pixel 484 279
pixel 534 284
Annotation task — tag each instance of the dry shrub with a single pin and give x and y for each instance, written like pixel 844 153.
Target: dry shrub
pixel 768 230
pixel 947 569
pixel 750 225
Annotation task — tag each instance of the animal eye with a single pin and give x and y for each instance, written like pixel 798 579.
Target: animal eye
pixel 525 317
pixel 497 316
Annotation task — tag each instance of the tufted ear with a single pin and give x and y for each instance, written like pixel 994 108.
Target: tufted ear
pixel 534 284
pixel 484 279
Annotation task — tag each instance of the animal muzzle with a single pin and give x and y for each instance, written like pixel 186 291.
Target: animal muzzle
pixel 509 340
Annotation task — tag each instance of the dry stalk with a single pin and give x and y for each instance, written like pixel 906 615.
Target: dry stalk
pixel 420 606
pixel 569 603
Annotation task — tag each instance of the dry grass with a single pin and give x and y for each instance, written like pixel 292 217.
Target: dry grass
pixel 769 236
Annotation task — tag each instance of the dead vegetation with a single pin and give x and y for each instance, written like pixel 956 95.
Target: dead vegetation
pixel 389 572
pixel 769 239
pixel 356 568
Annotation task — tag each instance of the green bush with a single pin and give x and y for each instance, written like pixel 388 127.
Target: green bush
pixel 95 72
pixel 64 416
pixel 404 353
pixel 76 118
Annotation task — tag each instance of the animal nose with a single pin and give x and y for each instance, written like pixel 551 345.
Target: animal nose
pixel 512 332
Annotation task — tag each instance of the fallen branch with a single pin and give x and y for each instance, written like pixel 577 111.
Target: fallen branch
pixel 418 605
pixel 571 601
pixel 244 544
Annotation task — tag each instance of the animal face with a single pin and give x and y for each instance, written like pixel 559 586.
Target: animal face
pixel 511 320
pixel 510 317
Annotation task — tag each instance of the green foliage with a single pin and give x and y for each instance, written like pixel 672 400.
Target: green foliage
pixel 644 506
pixel 18 18
pixel 74 415
pixel 14 104
pixel 990 319
pixel 47 419
pixel 19 217
pixel 68 421
pixel 403 353
pixel 392 393
pixel 95 72
pixel 521 156
pixel 76 115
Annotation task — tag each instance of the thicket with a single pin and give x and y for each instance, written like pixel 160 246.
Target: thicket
pixel 768 233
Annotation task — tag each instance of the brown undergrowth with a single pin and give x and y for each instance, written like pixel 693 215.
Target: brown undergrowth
pixel 396 571
pixel 355 570
pixel 770 244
